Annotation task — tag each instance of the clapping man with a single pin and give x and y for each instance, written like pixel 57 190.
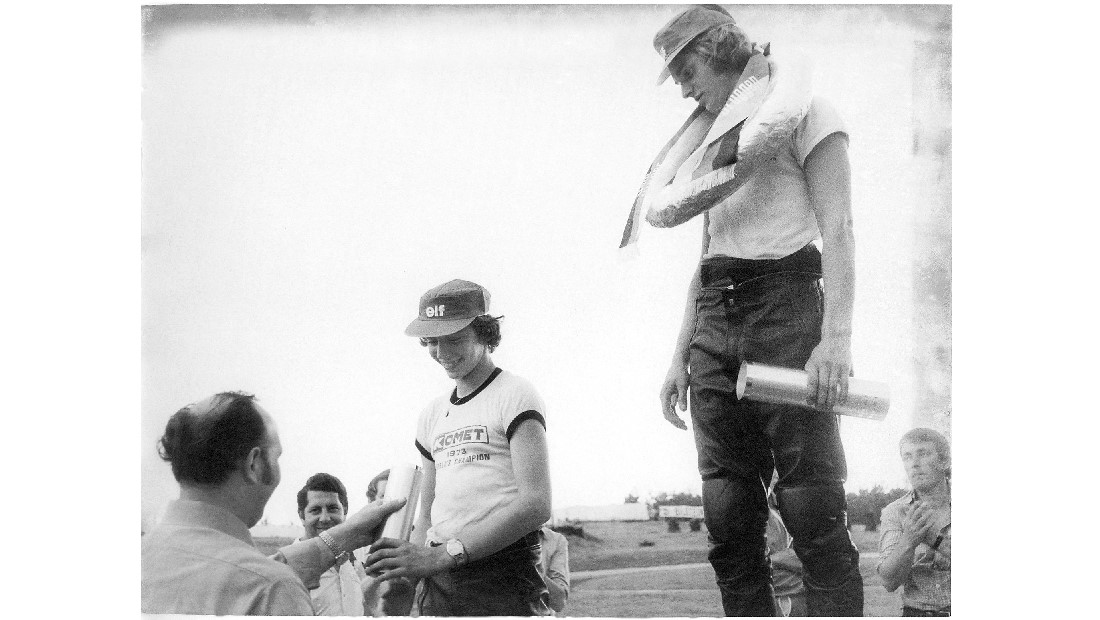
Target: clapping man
pixel 915 549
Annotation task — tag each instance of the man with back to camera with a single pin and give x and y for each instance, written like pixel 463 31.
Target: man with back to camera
pixel 200 558
pixel 486 486
pixel 757 296
pixel 915 548
pixel 322 505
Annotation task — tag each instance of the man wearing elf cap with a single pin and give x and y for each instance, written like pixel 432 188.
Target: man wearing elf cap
pixel 486 487
pixel 765 162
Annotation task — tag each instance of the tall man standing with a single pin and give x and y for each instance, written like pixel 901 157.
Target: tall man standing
pixel 915 548
pixel 200 558
pixel 768 185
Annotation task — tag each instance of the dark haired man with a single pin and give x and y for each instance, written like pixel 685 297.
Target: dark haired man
pixel 486 487
pixel 224 452
pixel 915 548
pixel 322 505
pixel 766 164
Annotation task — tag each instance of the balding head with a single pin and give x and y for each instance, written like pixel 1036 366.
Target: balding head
pixel 206 441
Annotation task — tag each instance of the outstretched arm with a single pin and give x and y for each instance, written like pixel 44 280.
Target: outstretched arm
pixel 310 558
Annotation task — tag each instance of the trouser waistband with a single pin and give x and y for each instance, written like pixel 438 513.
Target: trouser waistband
pixel 727 271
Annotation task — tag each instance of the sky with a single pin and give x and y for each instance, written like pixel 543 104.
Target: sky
pixel 306 177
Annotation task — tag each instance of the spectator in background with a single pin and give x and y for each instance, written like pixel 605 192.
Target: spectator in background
pixel 554 567
pixel 200 559
pixel 377 487
pixel 915 549
pixel 323 504
pixel 790 594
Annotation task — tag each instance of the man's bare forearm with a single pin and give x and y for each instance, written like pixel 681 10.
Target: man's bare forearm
pixel 687 324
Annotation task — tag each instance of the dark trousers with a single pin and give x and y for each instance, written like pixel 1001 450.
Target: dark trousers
pixel 506 583
pixel 768 312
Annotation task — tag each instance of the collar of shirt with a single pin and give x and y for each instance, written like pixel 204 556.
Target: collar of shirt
pixel 913 497
pixel 201 514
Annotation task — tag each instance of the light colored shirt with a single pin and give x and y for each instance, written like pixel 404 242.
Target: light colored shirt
pixel 554 565
pixel 928 585
pixel 339 591
pixel 469 441
pixel 771 215
pixel 200 559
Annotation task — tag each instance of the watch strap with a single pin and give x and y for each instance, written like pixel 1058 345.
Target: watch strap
pixel 337 552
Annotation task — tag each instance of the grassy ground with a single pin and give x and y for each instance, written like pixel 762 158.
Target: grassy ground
pixel 679 592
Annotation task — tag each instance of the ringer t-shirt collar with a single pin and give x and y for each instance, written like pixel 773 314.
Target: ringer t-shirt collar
pixel 455 400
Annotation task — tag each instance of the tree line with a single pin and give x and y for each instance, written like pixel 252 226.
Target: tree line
pixel 864 507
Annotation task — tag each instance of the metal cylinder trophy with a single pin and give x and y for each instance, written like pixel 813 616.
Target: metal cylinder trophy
pixel 787 386
pixel 404 483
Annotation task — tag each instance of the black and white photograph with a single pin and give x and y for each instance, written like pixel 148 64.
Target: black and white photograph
pixel 590 310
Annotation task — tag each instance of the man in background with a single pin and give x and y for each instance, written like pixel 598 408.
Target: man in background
pixel 200 559
pixel 377 487
pixel 554 567
pixel 322 505
pixel 790 593
pixel 915 549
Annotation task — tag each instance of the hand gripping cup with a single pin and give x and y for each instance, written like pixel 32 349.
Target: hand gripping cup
pixel 787 386
pixel 404 483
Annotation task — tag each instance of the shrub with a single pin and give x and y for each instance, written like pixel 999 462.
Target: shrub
pixel 866 506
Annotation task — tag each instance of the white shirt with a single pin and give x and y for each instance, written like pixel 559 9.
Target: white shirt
pixel 468 440
pixel 340 592
pixel 771 215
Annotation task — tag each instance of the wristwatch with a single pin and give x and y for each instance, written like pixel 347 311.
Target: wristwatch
pixel 457 552
pixel 337 553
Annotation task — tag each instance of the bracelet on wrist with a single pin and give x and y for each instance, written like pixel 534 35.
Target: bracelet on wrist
pixel 337 552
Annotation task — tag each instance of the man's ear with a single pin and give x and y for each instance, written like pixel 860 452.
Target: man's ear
pixel 253 468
